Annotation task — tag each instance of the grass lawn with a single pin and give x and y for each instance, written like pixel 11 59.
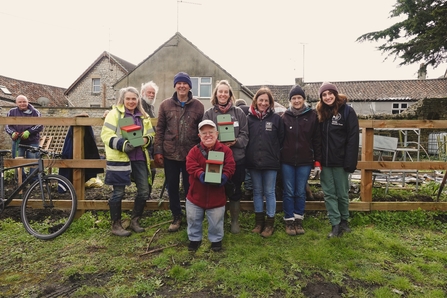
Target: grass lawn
pixel 388 254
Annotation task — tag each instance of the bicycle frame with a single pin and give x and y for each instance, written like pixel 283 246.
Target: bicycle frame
pixel 39 172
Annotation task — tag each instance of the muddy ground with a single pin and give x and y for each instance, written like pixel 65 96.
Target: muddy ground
pixel 317 288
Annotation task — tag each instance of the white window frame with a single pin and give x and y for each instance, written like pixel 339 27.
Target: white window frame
pixel 198 83
pixel 96 88
pixel 398 107
pixel 5 90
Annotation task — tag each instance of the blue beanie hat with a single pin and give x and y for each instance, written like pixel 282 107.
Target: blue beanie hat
pixel 296 90
pixel 183 77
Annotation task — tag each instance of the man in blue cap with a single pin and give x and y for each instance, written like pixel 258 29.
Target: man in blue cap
pixel 176 133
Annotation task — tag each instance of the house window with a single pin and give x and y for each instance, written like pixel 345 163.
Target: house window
pixel 5 90
pixel 201 87
pixel 399 107
pixel 96 85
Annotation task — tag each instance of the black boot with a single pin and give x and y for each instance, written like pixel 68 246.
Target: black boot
pixel 216 246
pixel 268 229
pixel 259 222
pixel 194 245
pixel 344 226
pixel 115 215
pixel 336 232
pixel 137 211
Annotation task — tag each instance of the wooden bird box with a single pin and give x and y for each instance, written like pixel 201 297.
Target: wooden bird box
pixel 226 128
pixel 214 166
pixel 131 132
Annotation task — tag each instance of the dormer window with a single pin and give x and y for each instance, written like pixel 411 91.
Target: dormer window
pixel 5 90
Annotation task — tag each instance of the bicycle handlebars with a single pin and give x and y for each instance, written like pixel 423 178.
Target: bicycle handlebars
pixel 39 149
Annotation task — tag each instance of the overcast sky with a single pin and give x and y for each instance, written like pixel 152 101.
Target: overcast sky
pixel 257 41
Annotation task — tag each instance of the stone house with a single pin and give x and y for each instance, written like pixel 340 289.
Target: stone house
pixel 179 54
pixel 94 87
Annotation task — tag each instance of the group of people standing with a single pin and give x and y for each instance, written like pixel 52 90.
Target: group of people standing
pixel 265 144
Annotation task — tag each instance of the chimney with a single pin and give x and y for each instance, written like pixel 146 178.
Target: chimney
pixel 299 81
pixel 422 72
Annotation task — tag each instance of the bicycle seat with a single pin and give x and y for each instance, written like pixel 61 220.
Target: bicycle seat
pixel 4 152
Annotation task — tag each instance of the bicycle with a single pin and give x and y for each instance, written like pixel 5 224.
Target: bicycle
pixel 49 203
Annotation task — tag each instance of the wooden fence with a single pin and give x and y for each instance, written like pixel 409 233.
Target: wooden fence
pixel 366 165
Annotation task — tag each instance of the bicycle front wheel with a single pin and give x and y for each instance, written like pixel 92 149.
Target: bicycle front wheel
pixel 48 211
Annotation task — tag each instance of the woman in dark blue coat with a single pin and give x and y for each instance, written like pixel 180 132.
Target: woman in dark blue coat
pixel 266 131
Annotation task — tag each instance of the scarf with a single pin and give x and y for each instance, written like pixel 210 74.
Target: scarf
pixel 297 112
pixel 258 114
pixel 224 108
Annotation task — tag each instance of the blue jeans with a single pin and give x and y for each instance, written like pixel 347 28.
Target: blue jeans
pixel 195 216
pixel 264 183
pixel 173 168
pixel 25 154
pixel 140 175
pixel 294 189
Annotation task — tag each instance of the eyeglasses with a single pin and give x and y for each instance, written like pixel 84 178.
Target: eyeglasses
pixel 208 133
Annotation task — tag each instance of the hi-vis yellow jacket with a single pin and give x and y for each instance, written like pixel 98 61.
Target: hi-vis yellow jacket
pixel 118 167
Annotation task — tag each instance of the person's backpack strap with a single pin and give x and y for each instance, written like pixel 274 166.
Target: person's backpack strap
pixel 203 151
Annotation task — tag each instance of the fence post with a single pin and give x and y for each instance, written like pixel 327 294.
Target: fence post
pixel 367 155
pixel 79 174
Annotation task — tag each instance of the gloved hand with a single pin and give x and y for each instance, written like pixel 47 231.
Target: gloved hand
pixel 158 159
pixel 128 147
pixel 25 135
pixel 317 169
pixel 150 139
pixel 15 135
pixel 202 178
pixel 224 180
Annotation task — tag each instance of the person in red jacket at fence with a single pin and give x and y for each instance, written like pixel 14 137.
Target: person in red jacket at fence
pixel 203 197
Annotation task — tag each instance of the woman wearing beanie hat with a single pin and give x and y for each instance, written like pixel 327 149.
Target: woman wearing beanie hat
pixel 300 152
pixel 340 146
pixel 222 102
